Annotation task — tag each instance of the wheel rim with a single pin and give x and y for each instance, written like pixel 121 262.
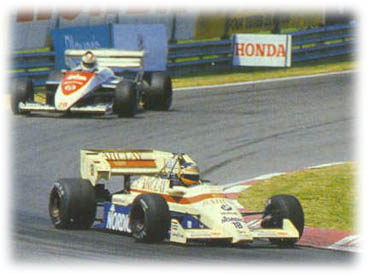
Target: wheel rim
pixel 55 208
pixel 139 225
pixel 138 220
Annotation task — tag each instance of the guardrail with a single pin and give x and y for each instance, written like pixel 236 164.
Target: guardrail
pixel 311 44
pixel 336 40
pixel 36 66
pixel 182 58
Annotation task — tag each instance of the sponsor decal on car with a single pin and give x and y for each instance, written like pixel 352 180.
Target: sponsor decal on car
pixel 174 225
pixel 76 77
pixel 147 184
pixel 282 233
pixel 117 219
pixel 228 213
pixel 226 207
pixel 62 105
pixel 178 235
pixel 231 219
pixel 74 81
pixel 213 201
pixel 200 234
pixel 189 224
pixel 118 156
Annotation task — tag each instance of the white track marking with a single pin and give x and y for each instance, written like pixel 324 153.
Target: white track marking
pixel 263 81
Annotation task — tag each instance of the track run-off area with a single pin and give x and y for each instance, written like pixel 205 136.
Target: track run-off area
pixel 234 132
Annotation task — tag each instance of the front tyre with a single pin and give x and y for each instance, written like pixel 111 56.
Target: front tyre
pixel 149 218
pixel 281 207
pixel 23 91
pixel 72 204
pixel 125 102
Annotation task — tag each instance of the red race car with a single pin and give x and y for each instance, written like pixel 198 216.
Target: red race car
pixel 93 87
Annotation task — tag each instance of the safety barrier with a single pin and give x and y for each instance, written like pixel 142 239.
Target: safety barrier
pixel 36 66
pixel 183 58
pixel 336 40
pixel 311 44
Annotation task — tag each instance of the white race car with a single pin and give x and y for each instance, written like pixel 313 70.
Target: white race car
pixel 93 87
pixel 164 197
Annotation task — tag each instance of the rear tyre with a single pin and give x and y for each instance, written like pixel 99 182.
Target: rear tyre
pixel 72 204
pixel 278 208
pixel 149 218
pixel 23 92
pixel 125 102
pixel 157 91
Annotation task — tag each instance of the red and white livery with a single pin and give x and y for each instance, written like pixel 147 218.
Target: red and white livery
pixel 93 87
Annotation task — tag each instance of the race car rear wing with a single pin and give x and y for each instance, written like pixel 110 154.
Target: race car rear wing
pixel 108 58
pixel 103 164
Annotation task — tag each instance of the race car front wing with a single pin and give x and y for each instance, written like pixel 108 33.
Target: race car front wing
pixel 98 108
pixel 180 235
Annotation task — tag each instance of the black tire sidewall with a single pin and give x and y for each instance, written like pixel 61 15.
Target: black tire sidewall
pixel 23 91
pixel 125 100
pixel 77 203
pixel 288 207
pixel 156 218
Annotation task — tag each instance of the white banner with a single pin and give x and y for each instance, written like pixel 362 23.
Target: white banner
pixel 262 50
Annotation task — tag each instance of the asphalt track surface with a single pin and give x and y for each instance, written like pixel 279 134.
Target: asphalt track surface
pixel 234 133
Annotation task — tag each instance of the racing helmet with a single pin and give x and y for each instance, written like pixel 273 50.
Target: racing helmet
pixel 189 174
pixel 88 61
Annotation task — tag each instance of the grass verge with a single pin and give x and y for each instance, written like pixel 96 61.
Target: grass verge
pixel 232 75
pixel 327 195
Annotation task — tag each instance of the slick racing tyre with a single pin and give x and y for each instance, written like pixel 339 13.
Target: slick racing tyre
pixel 23 92
pixel 72 204
pixel 149 218
pixel 157 91
pixel 125 99
pixel 279 207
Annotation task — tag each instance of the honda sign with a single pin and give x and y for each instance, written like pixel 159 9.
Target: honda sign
pixel 262 50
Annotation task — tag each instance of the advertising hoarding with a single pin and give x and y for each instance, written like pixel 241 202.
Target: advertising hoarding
pixel 262 50
pixel 227 23
pixel 87 37
pixel 152 38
